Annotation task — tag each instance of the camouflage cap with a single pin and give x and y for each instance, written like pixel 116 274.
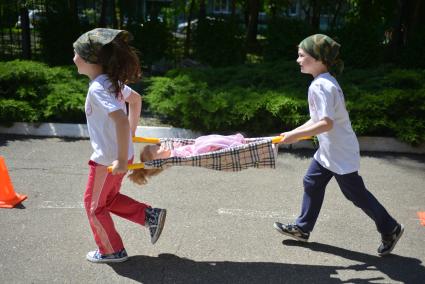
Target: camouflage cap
pixel 325 49
pixel 90 43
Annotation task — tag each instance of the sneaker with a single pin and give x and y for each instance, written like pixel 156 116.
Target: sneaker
pixel 155 219
pixel 389 241
pixel 96 256
pixel 292 230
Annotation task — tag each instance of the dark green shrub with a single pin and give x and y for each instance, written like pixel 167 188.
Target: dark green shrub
pixel 65 103
pixel 16 111
pixel 272 97
pixel 390 112
pixel 227 99
pixel 23 80
pixel 57 94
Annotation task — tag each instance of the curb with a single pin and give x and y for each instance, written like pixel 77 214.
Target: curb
pixel 372 144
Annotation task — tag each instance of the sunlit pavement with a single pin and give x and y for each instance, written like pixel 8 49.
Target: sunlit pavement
pixel 219 225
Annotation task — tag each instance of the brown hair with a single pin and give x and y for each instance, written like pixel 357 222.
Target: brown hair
pixel 140 176
pixel 121 63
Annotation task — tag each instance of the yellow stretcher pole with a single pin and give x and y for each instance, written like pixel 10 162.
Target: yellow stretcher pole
pixel 275 140
pixel 146 140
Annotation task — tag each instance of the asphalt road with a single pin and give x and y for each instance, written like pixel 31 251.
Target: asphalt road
pixel 219 226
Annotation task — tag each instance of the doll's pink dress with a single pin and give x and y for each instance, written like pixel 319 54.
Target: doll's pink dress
pixel 208 143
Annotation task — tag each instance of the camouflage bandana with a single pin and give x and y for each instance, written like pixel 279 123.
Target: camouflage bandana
pixel 89 44
pixel 325 49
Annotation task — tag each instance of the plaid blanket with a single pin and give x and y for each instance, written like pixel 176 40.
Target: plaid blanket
pixel 256 153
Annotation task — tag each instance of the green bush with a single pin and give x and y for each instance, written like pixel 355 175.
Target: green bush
pixel 34 92
pixel 227 99
pixel 13 110
pixel 23 80
pixel 64 103
pixel 272 97
pixel 259 99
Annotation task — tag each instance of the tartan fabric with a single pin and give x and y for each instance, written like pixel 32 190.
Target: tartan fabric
pixel 256 153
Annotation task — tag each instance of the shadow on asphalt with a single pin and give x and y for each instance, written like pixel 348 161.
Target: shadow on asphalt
pixel 6 138
pixel 398 268
pixel 169 268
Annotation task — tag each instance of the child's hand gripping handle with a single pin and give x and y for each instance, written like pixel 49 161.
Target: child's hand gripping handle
pixel 278 139
pixel 130 167
pixel 139 140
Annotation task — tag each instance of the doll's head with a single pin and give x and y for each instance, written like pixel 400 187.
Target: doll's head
pixel 149 153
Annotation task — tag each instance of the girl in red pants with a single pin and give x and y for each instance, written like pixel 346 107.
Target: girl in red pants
pixel 105 56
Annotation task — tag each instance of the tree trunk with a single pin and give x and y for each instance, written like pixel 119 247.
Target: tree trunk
pixel 114 15
pixel 315 15
pixel 202 10
pixel 74 15
pixel 416 18
pixel 273 10
pixel 103 11
pixel 335 15
pixel 233 9
pixel 26 34
pixel 251 37
pixel 400 28
pixel 74 12
pixel 187 42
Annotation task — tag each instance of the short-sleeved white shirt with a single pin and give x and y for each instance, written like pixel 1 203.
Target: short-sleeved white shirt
pixel 100 102
pixel 338 148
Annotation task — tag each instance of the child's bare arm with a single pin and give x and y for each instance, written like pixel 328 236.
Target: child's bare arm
pixel 312 129
pixel 305 125
pixel 122 128
pixel 134 109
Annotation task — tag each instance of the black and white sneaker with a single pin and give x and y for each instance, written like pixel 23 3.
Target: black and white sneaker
pixel 97 257
pixel 292 231
pixel 389 241
pixel 155 219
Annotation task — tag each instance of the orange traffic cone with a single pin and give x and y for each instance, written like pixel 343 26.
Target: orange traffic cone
pixel 8 197
pixel 421 216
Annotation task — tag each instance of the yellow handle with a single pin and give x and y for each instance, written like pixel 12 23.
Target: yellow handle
pixel 130 167
pixel 278 139
pixel 151 140
pixel 146 140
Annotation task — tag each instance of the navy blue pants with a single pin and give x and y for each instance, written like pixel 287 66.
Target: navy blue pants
pixel 353 188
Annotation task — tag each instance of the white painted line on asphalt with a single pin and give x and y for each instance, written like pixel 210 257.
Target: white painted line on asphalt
pixel 255 213
pixel 61 205
pixel 262 214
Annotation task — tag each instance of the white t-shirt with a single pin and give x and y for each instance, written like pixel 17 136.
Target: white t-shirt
pixel 339 148
pixel 100 101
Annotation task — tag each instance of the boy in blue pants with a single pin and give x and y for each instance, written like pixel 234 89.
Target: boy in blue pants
pixel 338 154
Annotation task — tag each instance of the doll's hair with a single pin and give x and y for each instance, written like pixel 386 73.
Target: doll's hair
pixel 121 63
pixel 140 176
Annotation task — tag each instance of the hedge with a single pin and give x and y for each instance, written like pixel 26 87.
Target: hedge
pixel 33 92
pixel 257 99
pixel 271 97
